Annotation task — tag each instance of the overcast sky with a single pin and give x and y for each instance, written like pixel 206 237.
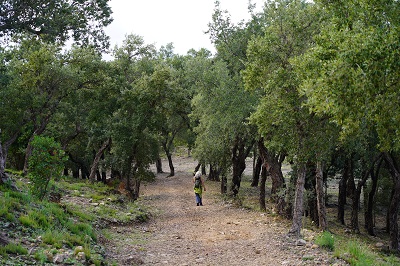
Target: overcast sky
pixel 181 22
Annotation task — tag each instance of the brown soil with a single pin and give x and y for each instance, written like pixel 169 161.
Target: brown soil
pixel 218 233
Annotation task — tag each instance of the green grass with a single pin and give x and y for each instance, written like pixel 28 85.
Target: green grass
pixel 12 248
pixel 357 253
pixel 326 240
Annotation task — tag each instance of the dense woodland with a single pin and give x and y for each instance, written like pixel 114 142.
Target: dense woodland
pixel 314 85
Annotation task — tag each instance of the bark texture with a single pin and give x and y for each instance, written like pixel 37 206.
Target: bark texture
pixel 298 208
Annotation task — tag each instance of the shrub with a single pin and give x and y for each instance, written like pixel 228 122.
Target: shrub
pixel 45 162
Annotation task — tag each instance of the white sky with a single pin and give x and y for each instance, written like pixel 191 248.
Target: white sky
pixel 181 22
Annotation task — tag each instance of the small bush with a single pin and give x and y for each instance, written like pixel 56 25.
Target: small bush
pixel 326 240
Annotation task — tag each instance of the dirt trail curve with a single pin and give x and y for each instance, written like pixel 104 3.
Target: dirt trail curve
pixel 181 233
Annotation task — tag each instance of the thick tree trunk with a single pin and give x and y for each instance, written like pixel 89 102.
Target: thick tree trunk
pixel 319 188
pixel 394 203
pixel 262 189
pixel 298 201
pixel 257 166
pixel 97 158
pixel 342 192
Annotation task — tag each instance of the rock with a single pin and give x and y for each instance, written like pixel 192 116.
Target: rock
pixel 379 245
pixel 301 242
pixel 78 249
pixel 59 258
pixel 81 256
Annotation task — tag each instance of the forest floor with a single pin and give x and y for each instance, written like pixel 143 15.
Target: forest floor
pixel 218 233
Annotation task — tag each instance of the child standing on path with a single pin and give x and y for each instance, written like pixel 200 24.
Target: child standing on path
pixel 198 188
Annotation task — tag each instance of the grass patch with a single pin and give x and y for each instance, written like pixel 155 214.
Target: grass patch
pixel 12 248
pixel 357 253
pixel 326 240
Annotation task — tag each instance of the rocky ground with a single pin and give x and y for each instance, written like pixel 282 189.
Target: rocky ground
pixel 218 233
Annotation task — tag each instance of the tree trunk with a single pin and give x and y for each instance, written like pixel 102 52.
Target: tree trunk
pixel 369 219
pixel 97 158
pixel 159 166
pixel 351 185
pixel 262 189
pixel 356 203
pixel 298 201
pixel 136 188
pixel 357 194
pixel 197 168
pixel 394 203
pixel 3 156
pixel 257 166
pixel 239 155
pixel 319 188
pixel 224 184
pixel 203 170
pixel 273 165
pixel 2 165
pixel 171 165
pixel 342 191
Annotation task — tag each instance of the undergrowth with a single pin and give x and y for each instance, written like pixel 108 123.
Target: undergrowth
pixel 52 230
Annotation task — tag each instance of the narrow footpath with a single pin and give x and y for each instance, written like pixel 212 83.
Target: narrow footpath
pixel 180 233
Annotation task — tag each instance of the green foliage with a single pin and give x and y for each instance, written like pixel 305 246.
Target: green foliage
pixel 46 162
pixel 326 240
pixel 53 21
pixel 13 248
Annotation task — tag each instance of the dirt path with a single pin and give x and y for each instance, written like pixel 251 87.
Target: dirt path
pixel 181 233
